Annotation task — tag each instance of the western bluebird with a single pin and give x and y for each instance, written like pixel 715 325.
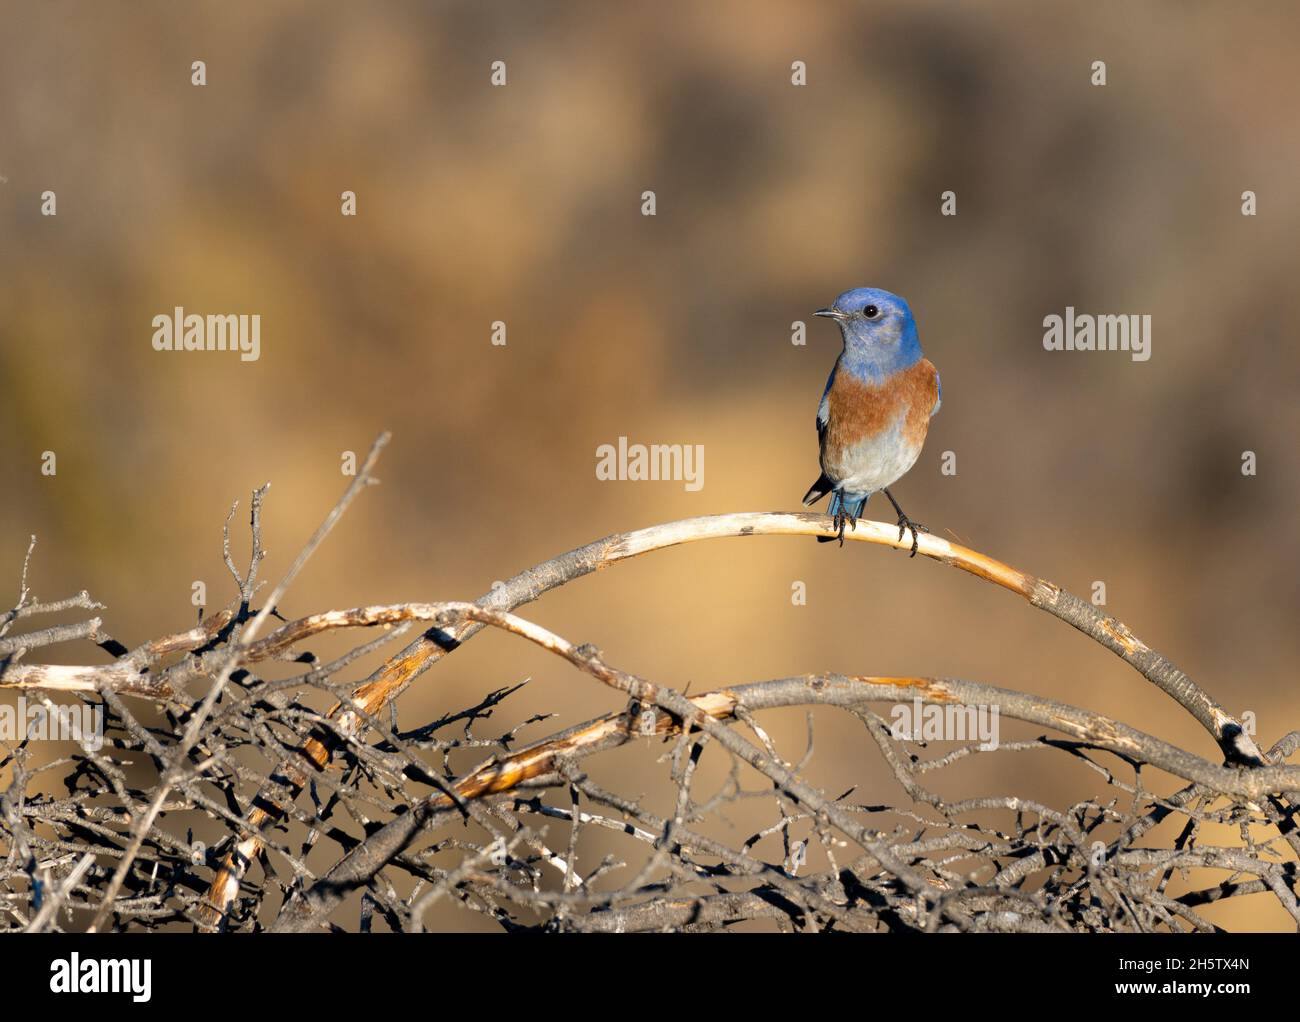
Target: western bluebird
pixel 876 408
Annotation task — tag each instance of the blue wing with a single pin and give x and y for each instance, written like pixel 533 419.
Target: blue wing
pixel 824 409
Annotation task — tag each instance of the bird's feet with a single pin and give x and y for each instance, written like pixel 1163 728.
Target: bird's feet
pixel 841 517
pixel 904 524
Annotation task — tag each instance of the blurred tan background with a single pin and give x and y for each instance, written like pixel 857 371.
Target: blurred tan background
pixel 522 204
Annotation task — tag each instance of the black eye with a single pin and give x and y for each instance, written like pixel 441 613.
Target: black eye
pixel 871 312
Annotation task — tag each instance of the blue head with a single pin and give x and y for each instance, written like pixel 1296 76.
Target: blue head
pixel 879 333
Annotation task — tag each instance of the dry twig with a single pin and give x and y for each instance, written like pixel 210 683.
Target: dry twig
pixel 996 862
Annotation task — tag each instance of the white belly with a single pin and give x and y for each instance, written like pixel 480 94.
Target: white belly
pixel 873 464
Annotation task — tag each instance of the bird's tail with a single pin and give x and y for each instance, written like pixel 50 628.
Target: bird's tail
pixel 818 490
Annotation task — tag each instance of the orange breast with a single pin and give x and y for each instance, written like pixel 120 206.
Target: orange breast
pixel 859 411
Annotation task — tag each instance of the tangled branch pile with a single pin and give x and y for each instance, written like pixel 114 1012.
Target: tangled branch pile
pixel 89 840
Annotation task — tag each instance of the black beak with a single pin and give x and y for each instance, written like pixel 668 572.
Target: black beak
pixel 830 313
